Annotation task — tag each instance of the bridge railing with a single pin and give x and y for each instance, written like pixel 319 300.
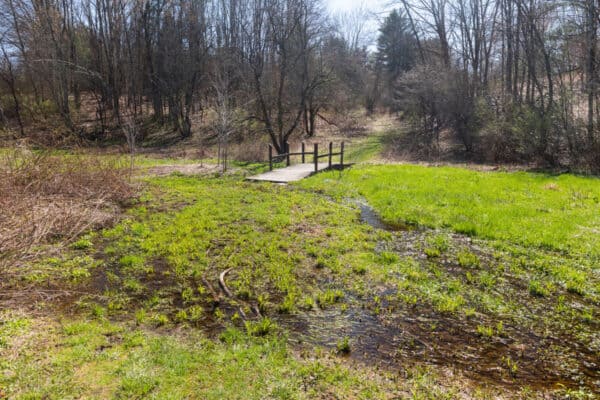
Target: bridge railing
pixel 315 155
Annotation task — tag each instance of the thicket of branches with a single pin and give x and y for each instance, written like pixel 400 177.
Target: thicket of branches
pixel 54 199
pixel 510 80
pixel 269 65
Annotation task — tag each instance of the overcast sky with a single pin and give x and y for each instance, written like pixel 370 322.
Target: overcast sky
pixel 347 5
pixel 373 6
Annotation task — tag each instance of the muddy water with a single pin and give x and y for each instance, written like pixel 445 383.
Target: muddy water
pixel 421 337
pixel 402 336
pixel 369 216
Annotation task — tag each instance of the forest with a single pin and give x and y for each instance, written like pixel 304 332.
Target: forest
pixel 509 81
pixel 445 246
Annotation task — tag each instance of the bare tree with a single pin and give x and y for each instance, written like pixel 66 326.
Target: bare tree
pixel 130 131
pixel 7 74
pixel 225 121
pixel 3 120
pixel 525 72
pixel 283 37
pixel 432 17
pixel 353 27
pixel 592 20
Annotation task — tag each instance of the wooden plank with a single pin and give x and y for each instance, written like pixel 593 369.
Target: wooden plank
pixel 289 174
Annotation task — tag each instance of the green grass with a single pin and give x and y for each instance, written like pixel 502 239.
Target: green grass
pixel 552 212
pixel 149 160
pixel 546 226
pixel 272 237
pixel 364 150
pixel 280 241
pixel 144 311
pixel 99 359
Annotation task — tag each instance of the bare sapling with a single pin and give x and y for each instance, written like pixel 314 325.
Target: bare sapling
pixel 130 130
pixel 224 122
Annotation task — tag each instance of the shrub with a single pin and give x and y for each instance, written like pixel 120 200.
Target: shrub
pixel 343 346
pixel 329 297
pixel 52 199
pixel 261 327
pixel 436 99
pixel 536 288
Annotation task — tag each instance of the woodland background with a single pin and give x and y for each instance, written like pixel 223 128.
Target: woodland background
pixel 504 80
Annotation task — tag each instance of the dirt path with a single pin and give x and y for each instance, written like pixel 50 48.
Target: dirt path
pixel 184 169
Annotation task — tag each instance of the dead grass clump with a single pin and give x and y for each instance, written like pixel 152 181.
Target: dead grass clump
pixel 251 151
pixel 52 199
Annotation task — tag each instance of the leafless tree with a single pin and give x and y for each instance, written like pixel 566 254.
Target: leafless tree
pixel 353 27
pixel 130 131
pixel 225 121
pixel 282 40
pixel 7 74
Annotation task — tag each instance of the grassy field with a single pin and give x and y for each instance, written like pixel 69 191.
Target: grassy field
pixel 472 285
pixel 555 212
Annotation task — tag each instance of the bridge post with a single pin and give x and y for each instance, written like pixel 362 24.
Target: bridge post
pixel 316 157
pixel 287 151
pixel 330 152
pixel 302 152
pixel 342 156
pixel 270 157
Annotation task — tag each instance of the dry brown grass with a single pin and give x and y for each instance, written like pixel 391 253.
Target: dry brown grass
pixel 48 199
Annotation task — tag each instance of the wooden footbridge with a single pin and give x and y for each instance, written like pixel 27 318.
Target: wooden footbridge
pixel 311 163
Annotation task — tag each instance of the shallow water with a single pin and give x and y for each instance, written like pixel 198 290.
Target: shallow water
pixel 405 336
pixel 369 216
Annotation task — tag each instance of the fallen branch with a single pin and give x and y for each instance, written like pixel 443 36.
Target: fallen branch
pixel 230 294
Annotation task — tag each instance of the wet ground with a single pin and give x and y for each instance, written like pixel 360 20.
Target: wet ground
pixel 184 169
pixel 388 333
pixel 422 337
pixel 396 336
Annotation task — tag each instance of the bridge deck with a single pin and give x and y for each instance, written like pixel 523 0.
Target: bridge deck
pixel 289 174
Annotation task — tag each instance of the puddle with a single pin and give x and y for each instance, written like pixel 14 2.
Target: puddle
pixel 422 337
pixel 412 336
pixel 369 216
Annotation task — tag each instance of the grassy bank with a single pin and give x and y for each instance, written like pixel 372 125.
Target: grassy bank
pixel 99 359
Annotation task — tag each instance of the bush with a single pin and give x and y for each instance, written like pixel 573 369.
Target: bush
pixel 435 99
pixel 54 199
pixel 30 109
pixel 419 94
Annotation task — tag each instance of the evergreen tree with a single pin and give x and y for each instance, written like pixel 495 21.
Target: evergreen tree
pixel 396 45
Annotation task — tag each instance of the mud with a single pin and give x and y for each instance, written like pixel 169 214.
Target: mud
pixel 396 336
pixel 401 336
pixel 420 336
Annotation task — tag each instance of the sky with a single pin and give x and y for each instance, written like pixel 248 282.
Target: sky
pixel 348 5
pixel 376 9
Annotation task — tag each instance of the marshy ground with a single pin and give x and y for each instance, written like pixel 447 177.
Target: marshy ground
pixel 395 281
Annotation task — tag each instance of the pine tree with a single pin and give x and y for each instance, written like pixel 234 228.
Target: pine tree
pixel 396 45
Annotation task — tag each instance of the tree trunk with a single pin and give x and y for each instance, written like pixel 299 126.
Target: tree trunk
pixel 11 82
pixel 591 83
pixel 3 120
